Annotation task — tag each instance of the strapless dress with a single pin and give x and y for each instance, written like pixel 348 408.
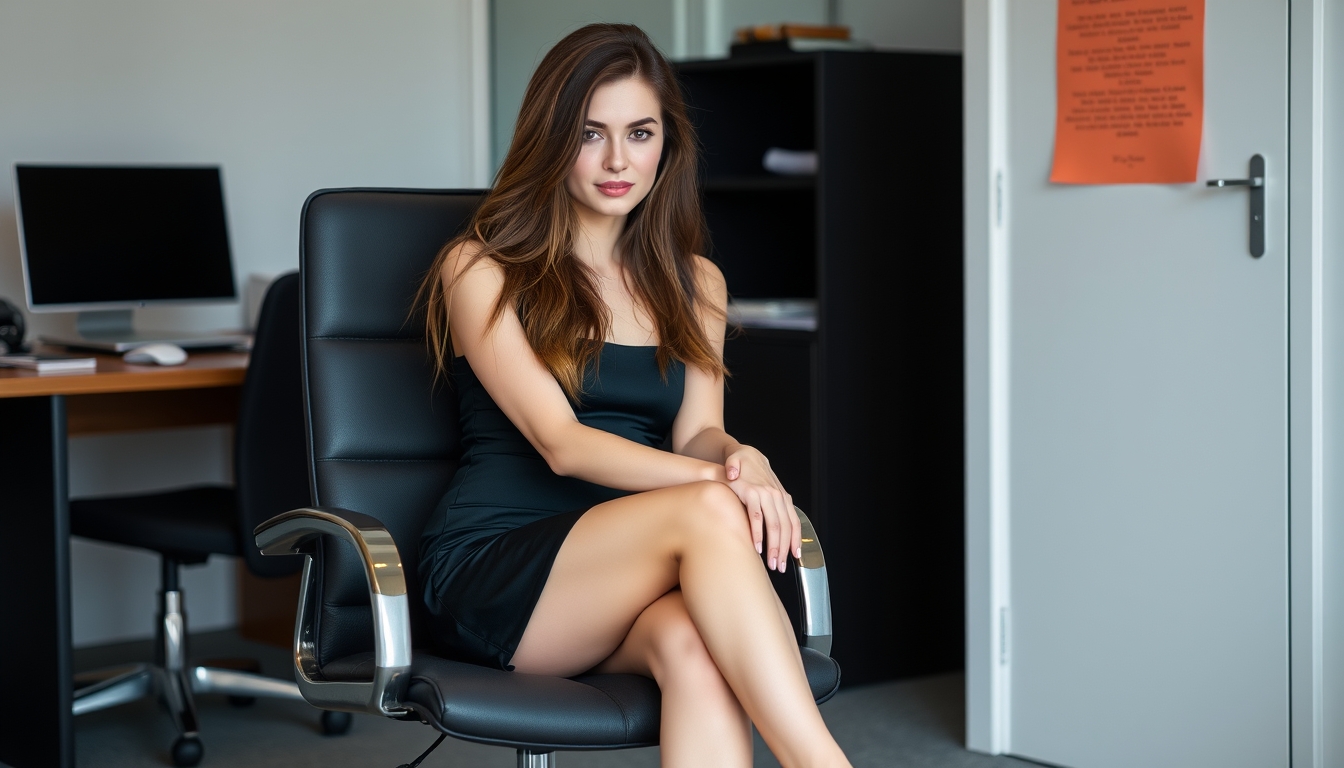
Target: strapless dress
pixel 488 548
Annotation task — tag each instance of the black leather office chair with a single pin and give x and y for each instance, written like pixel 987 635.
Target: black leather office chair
pixel 383 447
pixel 185 526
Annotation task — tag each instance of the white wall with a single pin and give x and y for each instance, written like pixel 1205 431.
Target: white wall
pixel 287 98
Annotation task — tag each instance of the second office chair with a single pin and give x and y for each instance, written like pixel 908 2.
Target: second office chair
pixel 186 526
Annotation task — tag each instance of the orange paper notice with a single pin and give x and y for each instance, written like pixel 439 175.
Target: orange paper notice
pixel 1130 91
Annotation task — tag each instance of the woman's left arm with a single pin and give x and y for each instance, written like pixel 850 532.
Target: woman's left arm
pixel 698 432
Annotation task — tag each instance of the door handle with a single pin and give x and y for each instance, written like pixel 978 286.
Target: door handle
pixel 1256 186
pixel 1258 181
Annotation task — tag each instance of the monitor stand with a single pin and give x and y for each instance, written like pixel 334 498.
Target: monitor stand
pixel 110 330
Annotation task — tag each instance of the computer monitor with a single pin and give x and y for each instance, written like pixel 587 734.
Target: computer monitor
pixel 103 240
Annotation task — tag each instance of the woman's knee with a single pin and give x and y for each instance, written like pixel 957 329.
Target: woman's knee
pixel 716 506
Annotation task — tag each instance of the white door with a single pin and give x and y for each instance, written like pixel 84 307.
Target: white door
pixel 1148 451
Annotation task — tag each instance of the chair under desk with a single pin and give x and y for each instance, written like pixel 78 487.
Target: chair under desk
pixel 38 413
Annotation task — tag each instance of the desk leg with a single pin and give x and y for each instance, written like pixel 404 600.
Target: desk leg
pixel 36 724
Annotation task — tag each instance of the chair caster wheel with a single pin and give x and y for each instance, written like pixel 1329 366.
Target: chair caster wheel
pixel 335 723
pixel 187 751
pixel 242 701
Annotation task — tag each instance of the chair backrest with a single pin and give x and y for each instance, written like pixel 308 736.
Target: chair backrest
pixel 383 438
pixel 270 445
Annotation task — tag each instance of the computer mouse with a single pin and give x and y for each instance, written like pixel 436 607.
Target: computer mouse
pixel 157 354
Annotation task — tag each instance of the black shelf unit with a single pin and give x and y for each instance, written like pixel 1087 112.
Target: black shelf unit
pixel 862 418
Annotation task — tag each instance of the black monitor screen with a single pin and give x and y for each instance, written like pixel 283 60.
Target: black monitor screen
pixel 118 235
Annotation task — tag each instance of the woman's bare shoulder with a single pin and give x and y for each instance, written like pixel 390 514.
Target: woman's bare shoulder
pixel 464 264
pixel 709 279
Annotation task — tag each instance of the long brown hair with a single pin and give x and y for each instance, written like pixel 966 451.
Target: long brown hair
pixel 527 222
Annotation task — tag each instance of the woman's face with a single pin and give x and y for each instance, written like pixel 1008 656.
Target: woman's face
pixel 622 143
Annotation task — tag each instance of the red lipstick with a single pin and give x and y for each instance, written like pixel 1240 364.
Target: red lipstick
pixel 614 188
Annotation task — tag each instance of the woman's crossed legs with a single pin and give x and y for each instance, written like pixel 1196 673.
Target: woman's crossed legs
pixel 668 584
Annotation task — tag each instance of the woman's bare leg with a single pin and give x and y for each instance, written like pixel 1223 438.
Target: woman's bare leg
pixel 703 724
pixel 624 555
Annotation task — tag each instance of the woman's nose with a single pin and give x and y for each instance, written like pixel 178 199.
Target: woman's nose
pixel 616 160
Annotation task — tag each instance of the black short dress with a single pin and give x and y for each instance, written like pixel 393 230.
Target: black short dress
pixel 489 546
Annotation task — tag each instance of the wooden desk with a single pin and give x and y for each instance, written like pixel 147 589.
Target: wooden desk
pixel 37 414
pixel 202 370
pixel 121 397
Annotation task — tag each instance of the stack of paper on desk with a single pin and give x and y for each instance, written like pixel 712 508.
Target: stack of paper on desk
pixel 49 363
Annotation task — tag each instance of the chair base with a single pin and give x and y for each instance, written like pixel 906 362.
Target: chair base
pixel 114 686
pixel 173 681
pixel 528 759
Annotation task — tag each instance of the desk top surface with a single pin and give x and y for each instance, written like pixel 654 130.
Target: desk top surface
pixel 201 370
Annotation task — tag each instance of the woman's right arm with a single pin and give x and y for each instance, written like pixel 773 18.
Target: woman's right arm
pixel 533 400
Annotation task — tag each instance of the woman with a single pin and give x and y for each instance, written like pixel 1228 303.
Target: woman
pixel 581 330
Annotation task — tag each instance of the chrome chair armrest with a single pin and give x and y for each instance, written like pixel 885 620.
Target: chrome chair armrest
pixel 814 590
pixel 296 533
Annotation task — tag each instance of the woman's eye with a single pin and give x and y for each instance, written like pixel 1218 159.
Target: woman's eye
pixel 591 135
pixel 640 134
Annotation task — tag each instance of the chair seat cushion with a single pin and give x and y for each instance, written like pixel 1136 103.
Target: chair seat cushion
pixel 541 713
pixel 188 524
pixel 511 709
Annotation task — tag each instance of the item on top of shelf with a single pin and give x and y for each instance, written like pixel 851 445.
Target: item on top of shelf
pixel 766 32
pixel 775 39
pixel 790 162
pixel 49 363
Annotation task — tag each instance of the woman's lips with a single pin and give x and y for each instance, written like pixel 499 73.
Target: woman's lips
pixel 614 188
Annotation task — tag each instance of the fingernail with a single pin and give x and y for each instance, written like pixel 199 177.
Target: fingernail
pixel 772 563
pixel 798 553
pixel 758 548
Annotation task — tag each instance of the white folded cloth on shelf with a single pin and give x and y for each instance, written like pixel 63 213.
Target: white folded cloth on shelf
pixel 790 162
pixel 774 313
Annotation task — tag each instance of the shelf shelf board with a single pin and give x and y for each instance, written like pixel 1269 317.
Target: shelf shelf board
pixel 789 334
pixel 760 183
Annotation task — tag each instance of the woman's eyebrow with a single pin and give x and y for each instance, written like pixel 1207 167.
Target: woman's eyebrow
pixel 641 121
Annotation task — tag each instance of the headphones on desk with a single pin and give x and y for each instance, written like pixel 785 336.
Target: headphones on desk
pixel 11 328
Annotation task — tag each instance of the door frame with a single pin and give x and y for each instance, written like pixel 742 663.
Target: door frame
pixel 987 350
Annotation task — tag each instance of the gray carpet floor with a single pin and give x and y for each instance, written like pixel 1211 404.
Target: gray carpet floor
pixel 914 723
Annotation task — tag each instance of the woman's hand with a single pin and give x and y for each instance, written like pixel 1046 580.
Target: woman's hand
pixel 769 506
